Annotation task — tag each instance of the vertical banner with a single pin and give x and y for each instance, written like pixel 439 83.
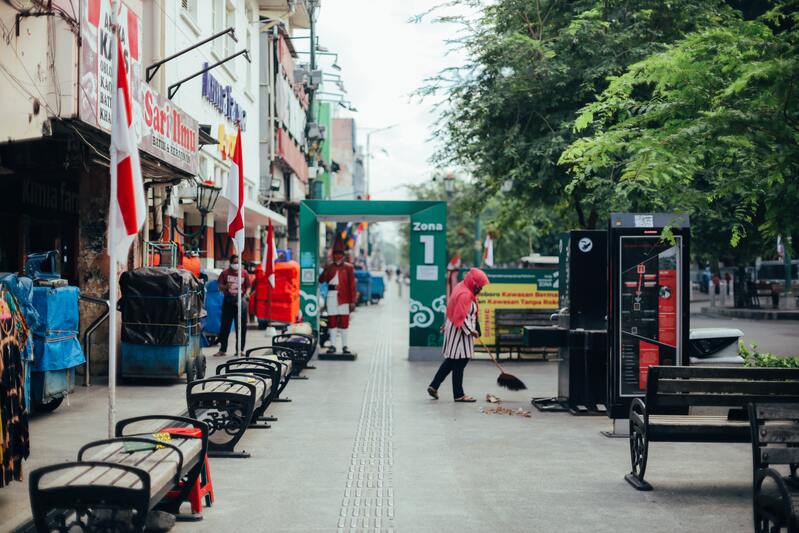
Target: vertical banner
pixel 96 60
pixel 428 259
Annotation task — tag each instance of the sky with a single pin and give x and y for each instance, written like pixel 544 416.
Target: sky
pixel 384 58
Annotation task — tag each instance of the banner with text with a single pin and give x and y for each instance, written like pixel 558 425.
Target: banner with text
pixel 162 129
pixel 515 289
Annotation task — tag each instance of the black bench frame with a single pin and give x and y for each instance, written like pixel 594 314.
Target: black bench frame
pixel 672 390
pixel 775 441
pixel 304 346
pixel 511 319
pixel 225 412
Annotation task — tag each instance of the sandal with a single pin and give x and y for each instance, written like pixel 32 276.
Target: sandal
pixel 432 392
pixel 466 399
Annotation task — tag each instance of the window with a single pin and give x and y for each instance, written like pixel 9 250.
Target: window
pixel 249 45
pixel 218 13
pixel 230 21
pixel 190 8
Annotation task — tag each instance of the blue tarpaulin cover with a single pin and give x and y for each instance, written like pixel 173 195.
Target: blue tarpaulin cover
pixel 212 322
pixel 378 286
pixel 55 339
pixel 22 289
pixel 364 284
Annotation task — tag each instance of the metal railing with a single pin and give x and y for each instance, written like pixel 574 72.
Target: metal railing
pixel 87 340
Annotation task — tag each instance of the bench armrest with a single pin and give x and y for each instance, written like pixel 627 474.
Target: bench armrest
pixel 638 413
pixel 202 426
pixel 121 440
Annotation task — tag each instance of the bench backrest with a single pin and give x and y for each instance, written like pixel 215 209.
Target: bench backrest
pixel 775 433
pixel 522 317
pixel 670 387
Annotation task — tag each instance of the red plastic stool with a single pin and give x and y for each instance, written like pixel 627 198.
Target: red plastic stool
pixel 203 488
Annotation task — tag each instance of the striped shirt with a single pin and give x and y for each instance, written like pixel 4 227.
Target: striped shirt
pixel 459 342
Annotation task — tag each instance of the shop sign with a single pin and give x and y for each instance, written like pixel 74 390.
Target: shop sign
pixel 221 97
pixel 163 130
pixel 96 59
pixel 168 132
pixel 58 197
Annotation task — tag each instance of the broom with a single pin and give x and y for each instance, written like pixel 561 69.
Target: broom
pixel 508 381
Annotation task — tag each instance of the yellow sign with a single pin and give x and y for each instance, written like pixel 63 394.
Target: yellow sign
pixel 511 296
pixel 227 142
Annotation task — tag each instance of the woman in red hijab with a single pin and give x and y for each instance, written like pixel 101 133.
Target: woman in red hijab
pixel 459 332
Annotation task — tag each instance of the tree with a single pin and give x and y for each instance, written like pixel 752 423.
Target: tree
pixel 509 112
pixel 709 126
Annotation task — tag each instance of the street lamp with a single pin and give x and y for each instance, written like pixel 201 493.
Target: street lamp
pixel 206 196
pixel 449 184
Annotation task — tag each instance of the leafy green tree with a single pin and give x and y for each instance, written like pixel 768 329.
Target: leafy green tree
pixel 708 126
pixel 509 112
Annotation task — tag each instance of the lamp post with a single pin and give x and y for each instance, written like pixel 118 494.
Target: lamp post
pixel 205 198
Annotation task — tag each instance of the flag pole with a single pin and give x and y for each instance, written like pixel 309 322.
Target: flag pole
pixel 112 268
pixel 238 317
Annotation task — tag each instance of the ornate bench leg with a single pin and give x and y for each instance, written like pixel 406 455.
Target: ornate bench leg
pixel 639 448
pixel 227 414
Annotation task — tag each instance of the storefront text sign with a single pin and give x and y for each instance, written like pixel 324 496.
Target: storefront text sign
pixel 163 130
pixel 221 97
pixel 168 133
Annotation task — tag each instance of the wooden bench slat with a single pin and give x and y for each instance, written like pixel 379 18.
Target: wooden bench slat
pixel 785 411
pixel 726 386
pixel 712 400
pixel 779 456
pixel 689 420
pixel 770 434
pixel 696 372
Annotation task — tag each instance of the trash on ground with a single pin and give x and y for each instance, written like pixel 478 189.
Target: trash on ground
pixel 499 410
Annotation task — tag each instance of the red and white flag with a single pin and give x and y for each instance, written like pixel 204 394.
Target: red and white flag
pixel 235 195
pixel 128 209
pixel 488 252
pixel 268 263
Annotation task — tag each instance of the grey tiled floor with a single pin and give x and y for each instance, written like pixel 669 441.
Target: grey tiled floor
pixel 441 466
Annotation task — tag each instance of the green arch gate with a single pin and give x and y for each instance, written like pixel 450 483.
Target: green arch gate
pixel 428 260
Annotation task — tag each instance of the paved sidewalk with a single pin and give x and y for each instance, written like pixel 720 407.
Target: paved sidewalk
pixel 362 447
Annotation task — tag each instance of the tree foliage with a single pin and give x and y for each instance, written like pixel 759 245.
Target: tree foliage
pixel 709 126
pixel 594 105
pixel 532 65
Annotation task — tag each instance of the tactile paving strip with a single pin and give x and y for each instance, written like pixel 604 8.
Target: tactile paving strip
pixel 368 503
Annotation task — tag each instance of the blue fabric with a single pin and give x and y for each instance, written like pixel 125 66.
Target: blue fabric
pixel 22 289
pixel 378 286
pixel 55 338
pixel 212 322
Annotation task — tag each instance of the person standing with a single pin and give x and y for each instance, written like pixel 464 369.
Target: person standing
pixel 229 287
pixel 342 295
pixel 460 330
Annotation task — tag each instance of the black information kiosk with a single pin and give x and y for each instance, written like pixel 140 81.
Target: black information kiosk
pixel 582 369
pixel 649 302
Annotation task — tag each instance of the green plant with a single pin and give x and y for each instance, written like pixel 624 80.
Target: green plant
pixel 753 358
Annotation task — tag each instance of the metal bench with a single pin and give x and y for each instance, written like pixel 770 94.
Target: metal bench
pixel 115 482
pixel 663 415
pixel 263 368
pixel 775 442
pixel 304 346
pixel 226 404
pixel 509 329
pixel 284 358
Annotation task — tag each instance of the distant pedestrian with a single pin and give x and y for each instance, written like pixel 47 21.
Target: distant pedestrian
pixel 399 281
pixel 460 330
pixel 229 287
pixel 728 281
pixel 716 280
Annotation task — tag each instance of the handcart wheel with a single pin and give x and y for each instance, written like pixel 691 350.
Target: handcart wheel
pixel 47 406
pixel 200 364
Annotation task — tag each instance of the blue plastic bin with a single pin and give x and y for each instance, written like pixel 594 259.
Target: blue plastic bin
pixel 363 281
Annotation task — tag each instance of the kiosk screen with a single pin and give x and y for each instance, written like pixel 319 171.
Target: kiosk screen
pixel 650 307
